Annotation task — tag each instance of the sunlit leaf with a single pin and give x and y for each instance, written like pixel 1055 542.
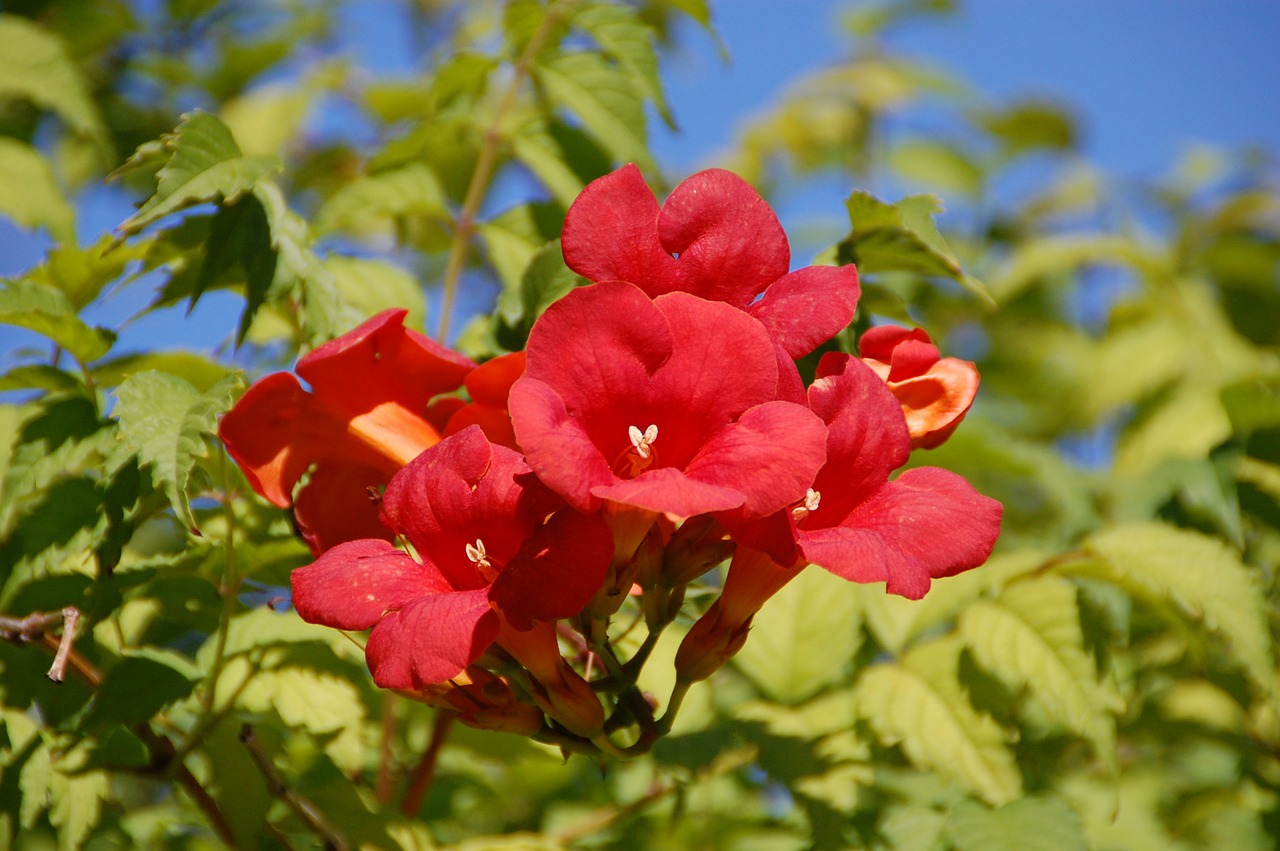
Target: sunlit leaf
pixel 603 98
pixel 34 65
pixel 625 39
pixel 205 164
pixel 29 193
pixel 1199 574
pixel 1029 824
pixel 165 420
pixel 49 313
pixel 918 702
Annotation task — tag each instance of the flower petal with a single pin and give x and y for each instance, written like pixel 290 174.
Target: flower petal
pixel 670 491
pixel 804 309
pixel 729 242
pixel 611 234
pixel 771 455
pixel 557 447
pixel 431 639
pixel 927 524
pixel 335 506
pixel 557 571
pixel 353 584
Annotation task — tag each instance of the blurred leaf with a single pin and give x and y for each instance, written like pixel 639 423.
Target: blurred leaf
pixel 1202 576
pixel 365 203
pixel 198 370
pixel 625 39
pixel 165 420
pixel 204 164
pixel 35 66
pixel 937 165
pixel 902 237
pixel 516 235
pixel 1030 824
pixel 603 99
pixel 371 286
pixel 1054 255
pixel 1253 403
pixel 1030 638
pixel 804 639
pixel 564 158
pixel 1030 125
pixel 918 702
pixel 49 313
pixel 82 273
pixel 138 686
pixel 29 193
pixel 266 119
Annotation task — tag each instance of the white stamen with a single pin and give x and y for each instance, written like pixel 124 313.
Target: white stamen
pixel 812 499
pixel 642 440
pixel 477 555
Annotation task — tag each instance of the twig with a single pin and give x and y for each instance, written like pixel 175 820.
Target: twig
pixel 425 771
pixel 382 787
pixel 301 807
pixel 35 625
pixel 486 162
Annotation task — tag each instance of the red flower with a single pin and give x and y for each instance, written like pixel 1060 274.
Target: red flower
pixel 369 412
pixel 715 238
pixel 667 405
pixel 475 516
pixel 855 522
pixel 935 392
pixel 489 385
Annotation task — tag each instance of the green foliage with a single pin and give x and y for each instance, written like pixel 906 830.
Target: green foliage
pixel 1107 680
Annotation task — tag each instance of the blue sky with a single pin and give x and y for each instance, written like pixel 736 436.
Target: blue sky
pixel 1146 78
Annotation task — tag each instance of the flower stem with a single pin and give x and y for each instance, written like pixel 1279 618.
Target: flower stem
pixel 486 164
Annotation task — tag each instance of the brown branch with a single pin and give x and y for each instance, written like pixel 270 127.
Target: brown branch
pixel 300 806
pixel 425 771
pixel 36 625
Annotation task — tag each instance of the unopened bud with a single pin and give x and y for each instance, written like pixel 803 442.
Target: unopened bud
pixel 712 642
pixel 696 547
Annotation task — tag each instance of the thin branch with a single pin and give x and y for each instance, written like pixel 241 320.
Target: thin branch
pixel 36 625
pixel 300 806
pixel 425 771
pixel 486 163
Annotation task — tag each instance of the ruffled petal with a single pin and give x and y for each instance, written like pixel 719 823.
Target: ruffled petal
pixel 770 455
pixel 556 445
pixel 557 571
pixel 804 309
pixel 927 524
pixel 729 242
pixel 431 639
pixel 935 403
pixel 867 436
pixel 353 584
pixel 611 234
pixel 669 491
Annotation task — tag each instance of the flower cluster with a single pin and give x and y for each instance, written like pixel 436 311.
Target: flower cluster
pixel 655 427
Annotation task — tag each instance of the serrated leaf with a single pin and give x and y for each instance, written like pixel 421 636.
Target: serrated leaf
pixel 165 420
pixel 49 313
pixel 918 702
pixel 1030 637
pixel 322 703
pixel 625 39
pixel 1029 824
pixel 602 98
pixel 804 637
pixel 205 165
pixel 902 237
pixel 29 193
pixel 34 65
pixel 1202 576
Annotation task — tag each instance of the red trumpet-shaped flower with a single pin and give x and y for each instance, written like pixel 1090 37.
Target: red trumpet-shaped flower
pixel 487 541
pixel 715 238
pixel 668 405
pixel 856 522
pixel 935 392
pixel 489 385
pixel 369 412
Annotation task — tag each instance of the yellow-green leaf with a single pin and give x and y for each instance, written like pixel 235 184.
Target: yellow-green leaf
pixel 29 193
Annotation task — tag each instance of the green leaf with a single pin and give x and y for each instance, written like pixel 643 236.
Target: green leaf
pixel 804 638
pixel 1253 403
pixel 165 420
pixel 49 313
pixel 323 703
pixel 1028 125
pixel 140 685
pixel 199 370
pixel 239 246
pixel 938 165
pixel 34 65
pixel 515 236
pixel 564 158
pixel 1030 637
pixel 624 38
pixel 902 237
pixel 1201 575
pixel 603 98
pixel 1050 255
pixel 82 273
pixel 29 193
pixel 370 286
pixel 377 200
pixel 1029 824
pixel 918 702
pixel 205 165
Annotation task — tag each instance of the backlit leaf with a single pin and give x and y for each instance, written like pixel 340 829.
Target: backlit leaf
pixel 1201 575
pixel 625 39
pixel 165 420
pixel 34 65
pixel 29 193
pixel 603 99
pixel 918 702
pixel 1029 824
